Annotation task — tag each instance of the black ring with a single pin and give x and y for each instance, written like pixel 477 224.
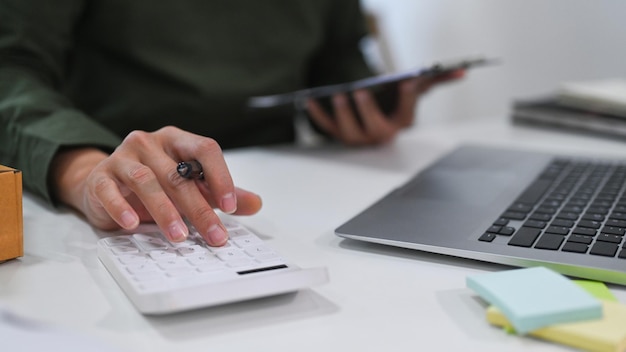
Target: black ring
pixel 190 169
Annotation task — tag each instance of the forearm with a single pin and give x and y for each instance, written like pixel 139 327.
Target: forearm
pixel 68 172
pixel 36 121
pixel 36 118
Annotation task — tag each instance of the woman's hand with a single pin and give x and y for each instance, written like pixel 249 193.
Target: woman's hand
pixel 139 183
pixel 375 127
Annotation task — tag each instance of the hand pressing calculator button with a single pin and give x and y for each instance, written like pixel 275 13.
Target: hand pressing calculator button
pixel 161 277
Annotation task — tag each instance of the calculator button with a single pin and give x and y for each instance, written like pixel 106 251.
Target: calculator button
pixel 174 263
pixel 191 251
pixel 254 251
pixel 239 232
pixel 240 262
pixel 245 241
pixel 203 259
pixel 132 259
pixel 211 267
pixel 162 254
pixel 225 247
pixel 147 276
pixel 179 272
pixel 124 249
pixel 118 241
pixel 231 254
pixel 268 257
pixel 142 268
pixel 230 225
pixel 149 243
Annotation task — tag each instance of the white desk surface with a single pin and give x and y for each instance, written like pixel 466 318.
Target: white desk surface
pixel 378 298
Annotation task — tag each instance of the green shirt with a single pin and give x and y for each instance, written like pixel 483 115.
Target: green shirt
pixel 77 72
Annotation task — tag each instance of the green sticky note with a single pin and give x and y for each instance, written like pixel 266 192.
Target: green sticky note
pixel 597 289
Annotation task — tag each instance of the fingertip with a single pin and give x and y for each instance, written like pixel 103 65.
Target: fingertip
pixel 216 236
pixel 129 220
pixel 409 86
pixel 248 203
pixel 229 203
pixel 177 232
pixel 458 73
pixel 309 104
pixel 340 101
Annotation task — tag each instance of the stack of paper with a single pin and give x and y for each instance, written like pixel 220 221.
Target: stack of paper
pixel 570 323
pixel 597 107
pixel 604 96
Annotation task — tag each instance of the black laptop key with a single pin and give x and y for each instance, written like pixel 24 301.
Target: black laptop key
pixel 551 203
pixel 573 209
pixel 615 223
pixel 507 231
pixel 572 203
pixel 512 215
pixel 556 197
pixel 494 229
pixel 601 203
pixel 622 253
pixel 540 217
pixel 520 208
pixel 620 208
pixel 562 223
pixel 524 237
pixel 501 222
pixel 575 247
pixel 598 210
pixel 535 191
pixel 612 230
pixel 606 249
pixel 558 230
pixel 536 224
pixel 584 231
pixel 546 210
pixel 567 216
pixel 593 217
pixel 617 216
pixel 580 239
pixel 487 237
pixel 550 241
pixel 590 224
pixel 604 237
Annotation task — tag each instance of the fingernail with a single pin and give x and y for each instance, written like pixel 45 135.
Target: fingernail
pixel 229 203
pixel 360 96
pixel 411 86
pixel 340 100
pixel 129 220
pixel 177 232
pixel 217 235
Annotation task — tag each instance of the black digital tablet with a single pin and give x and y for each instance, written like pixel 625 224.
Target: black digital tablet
pixel 384 87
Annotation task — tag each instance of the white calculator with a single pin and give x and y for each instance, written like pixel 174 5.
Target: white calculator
pixel 162 277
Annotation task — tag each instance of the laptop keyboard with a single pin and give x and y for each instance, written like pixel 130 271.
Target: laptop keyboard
pixel 572 206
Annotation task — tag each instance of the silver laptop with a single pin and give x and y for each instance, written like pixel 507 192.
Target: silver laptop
pixel 510 207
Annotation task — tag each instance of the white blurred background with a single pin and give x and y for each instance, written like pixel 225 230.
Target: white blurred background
pixel 542 43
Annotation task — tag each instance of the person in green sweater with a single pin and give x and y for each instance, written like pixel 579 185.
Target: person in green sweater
pixel 100 99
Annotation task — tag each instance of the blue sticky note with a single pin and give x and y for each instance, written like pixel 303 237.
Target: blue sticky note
pixel 533 298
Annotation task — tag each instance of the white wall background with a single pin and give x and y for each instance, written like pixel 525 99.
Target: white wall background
pixel 542 43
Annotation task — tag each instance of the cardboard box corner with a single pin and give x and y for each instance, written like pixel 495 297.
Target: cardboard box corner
pixel 11 218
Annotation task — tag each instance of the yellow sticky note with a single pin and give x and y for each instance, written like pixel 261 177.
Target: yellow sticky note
pixel 605 334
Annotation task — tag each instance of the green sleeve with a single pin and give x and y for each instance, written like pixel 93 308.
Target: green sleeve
pixel 340 58
pixel 36 119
